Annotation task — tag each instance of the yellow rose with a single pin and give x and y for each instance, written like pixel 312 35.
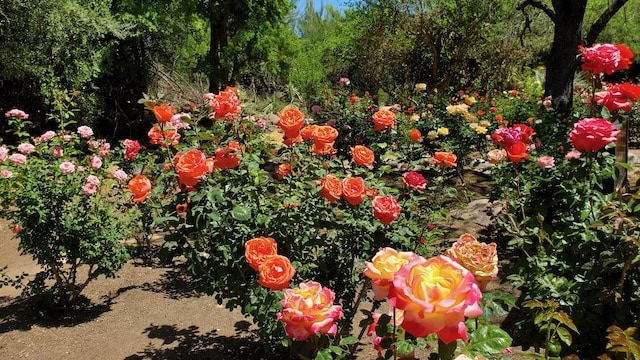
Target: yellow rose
pixel 420 87
pixel 382 269
pixel 443 131
pixel 481 130
pixel 485 123
pixel 432 135
pixel 469 100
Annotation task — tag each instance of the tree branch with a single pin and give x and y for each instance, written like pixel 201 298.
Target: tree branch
pixel 538 5
pixel 603 20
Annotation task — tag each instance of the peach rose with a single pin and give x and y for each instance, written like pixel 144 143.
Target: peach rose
pixel 163 113
pixel 383 119
pixel 276 272
pixel 166 137
pixel 258 249
pixel 496 155
pixel 436 296
pixel 383 267
pixel 331 188
pixel 291 121
pixel 385 209
pixel 308 310
pixel 362 155
pixel 478 257
pixel 354 190
pixel 140 187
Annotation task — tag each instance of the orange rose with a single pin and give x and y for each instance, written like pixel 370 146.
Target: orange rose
pixel 284 170
pixel 163 113
pixel 258 249
pixel 289 142
pixel 324 134
pixel 227 158
pixel 322 148
pixel 445 159
pixel 383 119
pixel 362 155
pixel 307 132
pixel 415 135
pixel 354 190
pixel 140 187
pixel 385 209
pixel 166 137
pixel 191 167
pixel 225 104
pixel 276 272
pixel 478 257
pixel 291 121
pixel 331 188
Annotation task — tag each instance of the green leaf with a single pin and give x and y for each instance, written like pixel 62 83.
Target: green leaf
pixel 489 339
pixel 349 340
pixel 324 354
pixel 564 335
pixel 241 213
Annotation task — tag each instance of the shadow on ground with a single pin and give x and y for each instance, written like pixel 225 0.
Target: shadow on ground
pixel 189 343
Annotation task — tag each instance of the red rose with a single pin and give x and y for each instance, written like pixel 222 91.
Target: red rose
pixel 131 149
pixel 526 133
pixel 605 58
pixel 593 134
pixel 517 152
pixel 415 135
pixel 618 97
pixel 414 180
pixel 385 209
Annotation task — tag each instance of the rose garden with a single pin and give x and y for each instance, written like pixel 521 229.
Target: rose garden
pixel 325 224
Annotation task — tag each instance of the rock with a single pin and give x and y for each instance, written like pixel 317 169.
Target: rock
pixel 480 212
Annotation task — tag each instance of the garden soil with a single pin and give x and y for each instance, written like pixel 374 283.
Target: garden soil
pixel 146 312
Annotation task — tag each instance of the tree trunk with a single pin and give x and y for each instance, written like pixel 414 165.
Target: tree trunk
pixel 215 78
pixel 562 62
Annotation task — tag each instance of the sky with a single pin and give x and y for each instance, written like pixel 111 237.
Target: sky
pixel 338 4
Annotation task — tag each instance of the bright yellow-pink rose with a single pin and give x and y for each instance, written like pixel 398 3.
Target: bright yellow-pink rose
pixel 383 267
pixel 436 296
pixel 478 257
pixel 308 310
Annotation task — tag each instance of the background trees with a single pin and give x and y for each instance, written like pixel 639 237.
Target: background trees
pixel 113 51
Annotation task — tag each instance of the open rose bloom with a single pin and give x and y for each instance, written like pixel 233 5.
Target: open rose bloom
pixel 308 310
pixel 478 257
pixel 436 296
pixel 383 268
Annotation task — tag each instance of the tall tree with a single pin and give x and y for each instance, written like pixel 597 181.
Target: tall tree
pixel 236 26
pixel 562 62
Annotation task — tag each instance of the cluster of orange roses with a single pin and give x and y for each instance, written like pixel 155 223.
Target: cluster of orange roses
pixel 292 121
pixel 274 271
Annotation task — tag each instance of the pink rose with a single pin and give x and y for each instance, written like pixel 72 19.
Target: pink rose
pixel 57 151
pixel 308 310
pixel 18 159
pixel 93 180
pixel 178 123
pixel 573 154
pixel 85 132
pixel 67 167
pixel 593 134
pixel 6 173
pixel 4 153
pixel 120 175
pixel 26 148
pixel 414 180
pixel 383 267
pixel 496 155
pixel 95 163
pixel 47 136
pixel 546 162
pixel 605 58
pixel 16 228
pixel 89 189
pixel 385 209
pixel 17 114
pixel 618 97
pixel 432 305
pixel 93 144
pixel 67 137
